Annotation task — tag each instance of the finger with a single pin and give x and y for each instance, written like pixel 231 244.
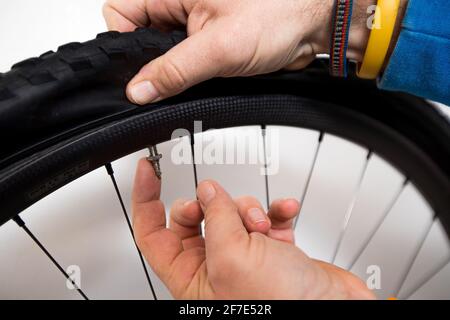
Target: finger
pixel 190 62
pixel 167 14
pixel 185 219
pixel 147 186
pixel 125 16
pixel 223 225
pixel 159 245
pixel 282 214
pixel 253 215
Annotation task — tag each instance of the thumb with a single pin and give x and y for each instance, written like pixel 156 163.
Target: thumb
pixel 223 225
pixel 192 61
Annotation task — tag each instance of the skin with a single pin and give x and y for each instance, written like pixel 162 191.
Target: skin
pixel 242 255
pixel 231 38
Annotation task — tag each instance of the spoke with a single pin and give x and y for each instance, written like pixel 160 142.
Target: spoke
pixel 266 177
pixel 21 224
pixel 349 213
pixel 433 274
pixel 194 165
pixel 380 223
pixel 110 171
pixel 414 258
pixel 308 180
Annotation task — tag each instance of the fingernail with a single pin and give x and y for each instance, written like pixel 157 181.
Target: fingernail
pixel 256 215
pixel 206 192
pixel 143 92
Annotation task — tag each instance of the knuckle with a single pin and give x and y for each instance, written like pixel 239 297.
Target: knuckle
pixel 176 206
pixel 151 5
pixel 158 13
pixel 182 214
pixel 201 7
pixel 172 78
pixel 257 237
pixel 200 14
pixel 154 7
pixel 109 5
pixel 247 202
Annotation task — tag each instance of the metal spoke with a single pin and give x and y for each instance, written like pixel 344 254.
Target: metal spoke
pixel 308 180
pixel 433 274
pixel 380 223
pixel 110 171
pixel 21 224
pixel 194 165
pixel 266 176
pixel 349 212
pixel 414 258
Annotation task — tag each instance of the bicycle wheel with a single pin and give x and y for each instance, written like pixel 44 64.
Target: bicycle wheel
pixel 68 115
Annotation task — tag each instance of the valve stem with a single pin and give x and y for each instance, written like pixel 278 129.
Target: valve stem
pixel 154 158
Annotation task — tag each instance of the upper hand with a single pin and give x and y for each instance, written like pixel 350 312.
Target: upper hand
pixel 225 38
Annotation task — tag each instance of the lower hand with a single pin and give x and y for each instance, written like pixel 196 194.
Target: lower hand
pixel 245 254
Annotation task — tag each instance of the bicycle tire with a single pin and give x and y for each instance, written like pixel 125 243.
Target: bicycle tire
pixel 73 105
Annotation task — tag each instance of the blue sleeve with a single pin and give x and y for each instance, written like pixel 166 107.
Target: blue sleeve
pixel 420 63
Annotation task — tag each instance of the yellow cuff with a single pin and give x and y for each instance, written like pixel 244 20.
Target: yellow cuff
pixel 380 39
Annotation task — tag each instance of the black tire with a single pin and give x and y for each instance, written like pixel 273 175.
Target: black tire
pixel 65 114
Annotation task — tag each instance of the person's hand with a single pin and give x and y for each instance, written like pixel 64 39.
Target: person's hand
pixel 245 254
pixel 230 38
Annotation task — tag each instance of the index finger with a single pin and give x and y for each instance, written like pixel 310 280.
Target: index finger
pixel 125 16
pixel 223 225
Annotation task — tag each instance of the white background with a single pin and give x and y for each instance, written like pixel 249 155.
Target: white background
pixel 83 225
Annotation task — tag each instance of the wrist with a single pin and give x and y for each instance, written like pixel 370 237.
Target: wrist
pixel 363 13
